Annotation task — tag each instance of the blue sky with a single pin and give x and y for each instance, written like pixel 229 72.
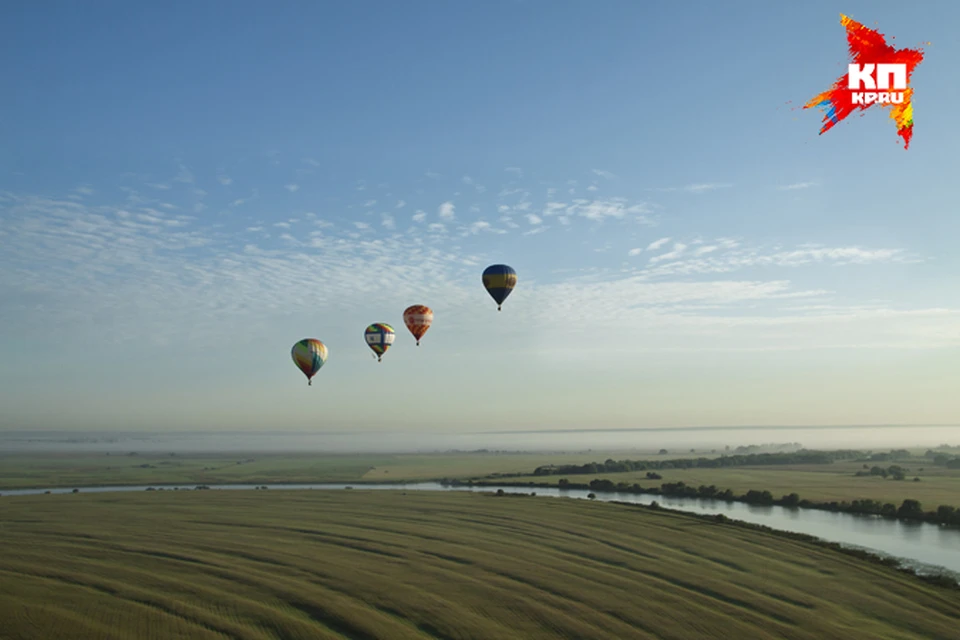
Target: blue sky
pixel 187 189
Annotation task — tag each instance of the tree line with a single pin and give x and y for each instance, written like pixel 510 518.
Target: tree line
pixel 804 456
pixel 908 510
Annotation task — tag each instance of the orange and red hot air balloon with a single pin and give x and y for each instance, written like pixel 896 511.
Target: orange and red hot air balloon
pixel 418 319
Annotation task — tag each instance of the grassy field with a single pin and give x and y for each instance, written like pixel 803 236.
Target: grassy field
pixel 364 564
pixel 819 483
pixel 73 469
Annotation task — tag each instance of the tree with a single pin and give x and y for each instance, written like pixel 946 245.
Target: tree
pixel 663 452
pixel 791 500
pixel 592 496
pixel 910 509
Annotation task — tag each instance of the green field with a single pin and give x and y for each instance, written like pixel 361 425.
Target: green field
pixel 72 469
pixel 366 564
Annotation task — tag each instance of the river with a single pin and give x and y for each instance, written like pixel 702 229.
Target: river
pixel 928 548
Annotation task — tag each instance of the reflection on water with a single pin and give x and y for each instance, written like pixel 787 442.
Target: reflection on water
pixel 919 542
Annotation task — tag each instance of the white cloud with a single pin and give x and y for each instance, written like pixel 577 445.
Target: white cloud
pixel 534 219
pixel 85 191
pixel 282 225
pixel 710 186
pixel 433 175
pixel 797 185
pixel 600 210
pixel 436 227
pixel 604 174
pixel 656 244
pixel 467 180
pixel 223 178
pixel 401 204
pixel 697 188
pixel 311 162
pixel 478 226
pixel 593 187
pixel 361 225
pixel 291 187
pixel 634 252
pixel 419 216
pixel 388 221
pixel 159 186
pixel 517 171
pixel 446 211
pixel 678 249
pixel 369 203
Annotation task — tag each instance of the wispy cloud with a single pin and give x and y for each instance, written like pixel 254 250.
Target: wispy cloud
pixel 598 210
pixel 446 211
pixel 516 171
pixel 223 178
pixel 292 187
pixel 401 204
pixel 159 186
pixel 696 188
pixel 678 250
pixel 118 272
pixel 797 185
pixel 706 186
pixel 656 244
pixel 606 175
pixel 184 175
pixel 433 175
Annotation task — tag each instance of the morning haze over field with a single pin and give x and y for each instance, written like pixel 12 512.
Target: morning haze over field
pixel 720 400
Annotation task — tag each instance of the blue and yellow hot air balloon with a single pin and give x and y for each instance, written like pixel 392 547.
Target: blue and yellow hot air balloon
pixel 379 337
pixel 499 281
pixel 309 355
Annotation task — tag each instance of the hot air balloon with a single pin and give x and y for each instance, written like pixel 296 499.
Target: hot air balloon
pixel 499 280
pixel 379 337
pixel 309 355
pixel 418 319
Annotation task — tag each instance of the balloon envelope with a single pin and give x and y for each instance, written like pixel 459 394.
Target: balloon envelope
pixel 499 281
pixel 309 355
pixel 418 319
pixel 379 337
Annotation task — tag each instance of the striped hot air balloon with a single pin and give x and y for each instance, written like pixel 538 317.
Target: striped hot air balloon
pixel 309 355
pixel 379 337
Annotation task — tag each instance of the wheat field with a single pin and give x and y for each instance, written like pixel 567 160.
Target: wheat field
pixel 254 565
